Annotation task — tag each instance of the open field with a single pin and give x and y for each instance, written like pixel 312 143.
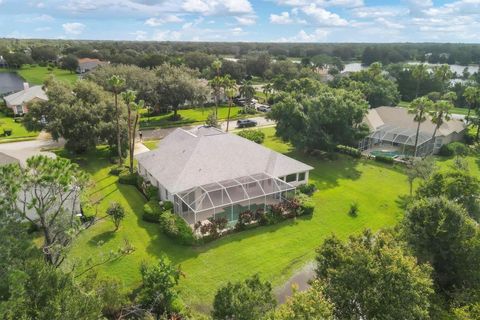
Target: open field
pixel 19 132
pixel 189 116
pixel 37 74
pixel 274 252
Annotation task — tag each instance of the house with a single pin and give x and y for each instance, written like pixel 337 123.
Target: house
pixel 88 64
pixel 207 173
pixel 18 101
pixel 393 128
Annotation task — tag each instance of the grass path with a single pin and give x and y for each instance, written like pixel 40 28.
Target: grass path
pixel 275 252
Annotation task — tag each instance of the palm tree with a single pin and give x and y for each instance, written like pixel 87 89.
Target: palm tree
pixel 116 83
pixel 419 108
pixel 472 96
pixel 230 91
pixel 247 91
pixel 440 113
pixel 267 90
pixel 443 73
pixel 419 72
pixel 216 65
pixel 129 97
pixel 216 84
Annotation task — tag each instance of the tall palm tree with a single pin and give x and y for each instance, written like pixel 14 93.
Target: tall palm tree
pixel 129 97
pixel 267 90
pixel 216 65
pixel 247 91
pixel 116 83
pixel 419 108
pixel 216 84
pixel 440 113
pixel 230 91
pixel 472 96
pixel 419 73
pixel 443 73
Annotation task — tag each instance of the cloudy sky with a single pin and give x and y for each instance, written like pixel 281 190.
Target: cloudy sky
pixel 244 20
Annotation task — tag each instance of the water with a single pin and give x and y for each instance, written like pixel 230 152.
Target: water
pixel 300 278
pixel 10 82
pixel 356 66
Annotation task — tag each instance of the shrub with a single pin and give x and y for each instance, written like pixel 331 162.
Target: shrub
pixel 116 170
pixel 7 132
pixel 256 136
pixel 354 152
pixel 307 189
pixel 128 178
pixel 384 159
pixel 469 137
pixel 167 205
pixel 176 228
pixel 453 148
pixel 152 211
pixel 244 218
pixel 306 205
pixel 247 110
pixel 353 211
pixel 151 192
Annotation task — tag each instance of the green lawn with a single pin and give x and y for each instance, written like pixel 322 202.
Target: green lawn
pixel 189 116
pixel 35 74
pixel 274 252
pixel 19 132
pixel 151 144
pixel 455 110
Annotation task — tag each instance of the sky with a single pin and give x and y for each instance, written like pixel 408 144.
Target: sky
pixel 244 20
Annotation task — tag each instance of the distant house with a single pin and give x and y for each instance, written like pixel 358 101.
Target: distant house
pixel 3 62
pixel 88 64
pixel 393 129
pixel 18 101
pixel 207 173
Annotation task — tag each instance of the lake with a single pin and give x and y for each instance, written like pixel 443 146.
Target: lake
pixel 356 66
pixel 10 82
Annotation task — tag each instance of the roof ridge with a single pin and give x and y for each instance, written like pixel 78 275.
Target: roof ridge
pixel 197 143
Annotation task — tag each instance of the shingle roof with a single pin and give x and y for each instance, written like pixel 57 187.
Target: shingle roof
pixel 26 95
pixel 399 117
pixel 186 159
pixel 6 159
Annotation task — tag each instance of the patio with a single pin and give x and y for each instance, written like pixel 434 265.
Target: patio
pixel 231 197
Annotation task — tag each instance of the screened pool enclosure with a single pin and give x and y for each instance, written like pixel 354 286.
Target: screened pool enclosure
pixel 404 139
pixel 229 198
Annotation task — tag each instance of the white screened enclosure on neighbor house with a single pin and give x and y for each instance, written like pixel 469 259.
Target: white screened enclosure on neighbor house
pixel 227 199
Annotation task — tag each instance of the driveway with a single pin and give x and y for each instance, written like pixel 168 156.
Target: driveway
pixel 25 149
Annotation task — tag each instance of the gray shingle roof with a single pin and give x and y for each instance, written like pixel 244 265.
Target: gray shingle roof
pixel 26 95
pixel 6 159
pixel 186 159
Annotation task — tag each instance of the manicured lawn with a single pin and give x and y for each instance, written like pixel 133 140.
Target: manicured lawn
pixel 151 144
pixel 274 252
pixel 189 116
pixel 456 110
pixel 37 75
pixel 19 132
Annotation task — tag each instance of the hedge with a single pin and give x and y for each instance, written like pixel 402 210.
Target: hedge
pixel 256 136
pixel 128 178
pixel 354 152
pixel 307 189
pixel 384 159
pixel 176 228
pixel 453 148
pixel 152 211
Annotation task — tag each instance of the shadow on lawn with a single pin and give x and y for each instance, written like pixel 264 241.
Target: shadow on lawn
pixel 101 238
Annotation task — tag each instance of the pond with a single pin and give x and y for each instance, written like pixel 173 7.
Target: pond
pixel 10 82
pixel 356 66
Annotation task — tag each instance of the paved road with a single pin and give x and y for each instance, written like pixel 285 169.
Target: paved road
pixel 25 149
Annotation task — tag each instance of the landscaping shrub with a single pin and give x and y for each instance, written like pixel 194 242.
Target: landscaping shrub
pixel 453 148
pixel 256 136
pixel 152 211
pixel 117 170
pixel 247 110
pixel 128 178
pixel 244 218
pixel 469 138
pixel 307 189
pixel 7 132
pixel 176 228
pixel 384 159
pixel 306 205
pixel 151 192
pixel 354 152
pixel 353 211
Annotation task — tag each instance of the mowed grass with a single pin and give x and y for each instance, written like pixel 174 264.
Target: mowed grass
pixel 455 110
pixel 275 252
pixel 37 74
pixel 189 116
pixel 19 132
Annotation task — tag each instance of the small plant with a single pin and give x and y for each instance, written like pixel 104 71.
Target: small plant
pixel 353 211
pixel 212 120
pixel 117 213
pixel 307 189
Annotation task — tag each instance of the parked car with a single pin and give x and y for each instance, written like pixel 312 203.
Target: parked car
pixel 263 108
pixel 246 123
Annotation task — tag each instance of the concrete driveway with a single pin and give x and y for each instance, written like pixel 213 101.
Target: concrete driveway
pixel 25 149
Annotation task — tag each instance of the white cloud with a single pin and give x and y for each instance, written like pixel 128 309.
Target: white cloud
pixel 322 3
pixel 282 18
pixel 389 24
pixel 42 18
pixel 377 12
pixel 43 29
pixel 215 7
pixel 322 17
pixel 246 20
pixel 74 28
pixel 317 36
pixel 140 35
pixel 155 22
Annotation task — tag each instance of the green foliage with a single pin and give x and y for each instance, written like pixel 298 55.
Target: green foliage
pixel 176 228
pixel 116 213
pixel 152 211
pixel 453 149
pixel 353 211
pixel 212 120
pixel 158 292
pixel 371 277
pixel 308 188
pixel 247 300
pixel 441 233
pixel 384 159
pixel 354 152
pixel 128 178
pixel 256 136
pixel 151 192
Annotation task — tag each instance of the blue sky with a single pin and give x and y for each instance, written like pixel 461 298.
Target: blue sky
pixel 244 20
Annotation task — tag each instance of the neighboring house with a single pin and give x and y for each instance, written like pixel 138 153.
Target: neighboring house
pixel 18 101
pixel 207 172
pixel 395 127
pixel 88 64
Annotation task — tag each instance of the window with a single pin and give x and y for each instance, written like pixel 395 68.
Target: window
pixel 19 109
pixel 301 176
pixel 291 177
